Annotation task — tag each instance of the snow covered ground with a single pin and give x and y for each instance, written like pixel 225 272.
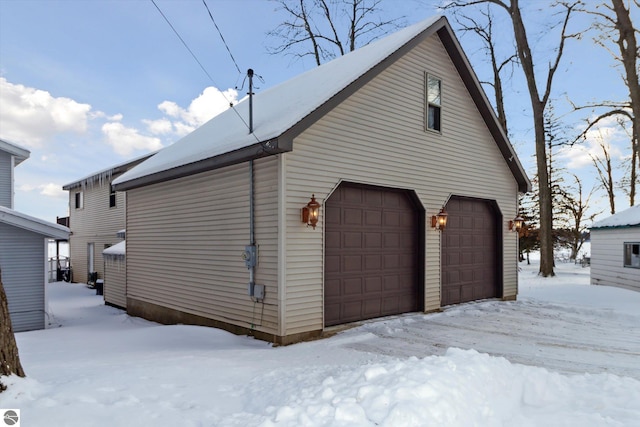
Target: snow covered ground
pixel 565 354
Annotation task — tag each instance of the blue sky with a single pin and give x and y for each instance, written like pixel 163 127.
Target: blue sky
pixel 85 85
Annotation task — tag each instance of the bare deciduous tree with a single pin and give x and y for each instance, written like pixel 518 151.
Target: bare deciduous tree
pixel 484 30
pixel 575 206
pixel 614 25
pixel 9 358
pixel 604 167
pixel 313 27
pixel 539 99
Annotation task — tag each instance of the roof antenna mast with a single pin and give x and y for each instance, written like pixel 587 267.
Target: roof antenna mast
pixel 250 75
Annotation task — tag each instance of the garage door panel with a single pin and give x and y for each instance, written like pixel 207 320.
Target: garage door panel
pixel 351 263
pixel 372 240
pixel 352 240
pixel 377 254
pixel 373 262
pixel 352 217
pixel 372 285
pixel 391 241
pixel 352 286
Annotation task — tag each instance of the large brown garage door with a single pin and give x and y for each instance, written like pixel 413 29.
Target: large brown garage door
pixel 469 252
pixel 372 255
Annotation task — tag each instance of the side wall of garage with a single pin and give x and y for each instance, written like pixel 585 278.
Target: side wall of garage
pixel 377 137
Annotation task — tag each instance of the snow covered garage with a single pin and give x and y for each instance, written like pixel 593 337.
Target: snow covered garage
pixel 615 250
pixel 373 145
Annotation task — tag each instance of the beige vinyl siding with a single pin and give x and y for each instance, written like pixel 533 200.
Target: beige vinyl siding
pixel 185 238
pixel 95 223
pixel 607 257
pixel 115 282
pixel 378 137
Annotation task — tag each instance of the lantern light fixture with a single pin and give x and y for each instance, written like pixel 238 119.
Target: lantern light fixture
pixel 439 222
pixel 516 224
pixel 311 212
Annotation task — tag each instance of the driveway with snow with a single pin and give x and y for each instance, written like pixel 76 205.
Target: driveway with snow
pixel 564 354
pixel 561 324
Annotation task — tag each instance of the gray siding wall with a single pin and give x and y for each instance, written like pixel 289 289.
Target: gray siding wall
pixel 6 180
pixel 377 137
pixel 115 282
pixel 95 223
pixel 185 239
pixel 607 262
pixel 22 261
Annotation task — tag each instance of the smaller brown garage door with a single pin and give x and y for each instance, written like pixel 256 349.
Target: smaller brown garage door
pixel 470 252
pixel 372 256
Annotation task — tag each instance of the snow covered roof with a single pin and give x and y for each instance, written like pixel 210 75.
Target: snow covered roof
pixel 20 154
pixel 36 225
pixel 284 111
pixel 627 218
pixel 116 251
pixel 105 175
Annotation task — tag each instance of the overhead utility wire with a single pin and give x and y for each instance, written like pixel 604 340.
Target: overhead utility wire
pixel 221 36
pixel 202 67
pixel 183 42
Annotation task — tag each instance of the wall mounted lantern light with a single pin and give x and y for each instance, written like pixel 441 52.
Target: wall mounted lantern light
pixel 439 222
pixel 516 223
pixel 311 212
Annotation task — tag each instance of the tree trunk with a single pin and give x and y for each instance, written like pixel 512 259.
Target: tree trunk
pixel 9 358
pixel 629 55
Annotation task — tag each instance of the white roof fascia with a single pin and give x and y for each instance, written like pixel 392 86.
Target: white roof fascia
pixel 19 153
pixel 35 225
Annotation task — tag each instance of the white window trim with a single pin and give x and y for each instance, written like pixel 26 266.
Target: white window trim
pixel 427 75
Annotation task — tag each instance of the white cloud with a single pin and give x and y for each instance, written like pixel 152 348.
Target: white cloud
pixel 53 190
pixel 203 108
pixel 608 133
pixel 125 140
pixel 49 189
pixel 159 127
pixel 28 116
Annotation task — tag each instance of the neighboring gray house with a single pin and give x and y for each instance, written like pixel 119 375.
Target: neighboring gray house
pixel 96 215
pixel 23 249
pixel 615 250
pixel 382 139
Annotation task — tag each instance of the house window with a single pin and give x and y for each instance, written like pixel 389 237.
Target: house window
pixel 112 198
pixel 433 102
pixel 632 254
pixel 79 200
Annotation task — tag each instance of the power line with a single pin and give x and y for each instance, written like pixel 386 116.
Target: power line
pixel 183 42
pixel 222 37
pixel 202 66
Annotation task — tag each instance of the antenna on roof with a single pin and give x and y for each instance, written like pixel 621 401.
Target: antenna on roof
pixel 250 75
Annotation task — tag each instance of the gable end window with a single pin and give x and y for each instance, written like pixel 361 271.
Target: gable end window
pixel 632 254
pixel 433 98
pixel 112 198
pixel 79 200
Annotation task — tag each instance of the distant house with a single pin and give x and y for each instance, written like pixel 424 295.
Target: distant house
pixel 382 139
pixel 23 248
pixel 96 214
pixel 615 250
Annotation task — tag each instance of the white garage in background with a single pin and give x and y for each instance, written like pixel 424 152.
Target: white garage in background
pixel 615 250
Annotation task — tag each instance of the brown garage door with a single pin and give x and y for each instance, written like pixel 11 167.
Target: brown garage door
pixel 372 256
pixel 469 251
